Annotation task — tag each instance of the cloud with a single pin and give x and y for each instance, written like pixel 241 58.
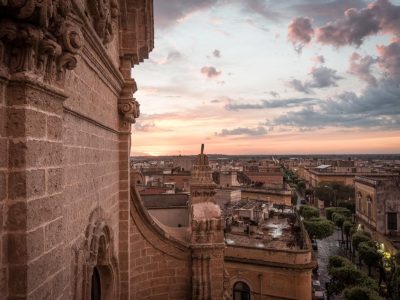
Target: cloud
pixel 318 59
pixel 299 86
pixel 389 62
pixel 375 108
pixel 142 126
pixel 361 67
pixel 358 24
pixel 258 131
pixel 264 104
pixel 169 13
pixel 323 12
pixel 300 32
pixel 259 7
pixel 352 29
pixel 210 72
pixel 274 94
pixel 172 56
pixel 217 53
pixel 321 77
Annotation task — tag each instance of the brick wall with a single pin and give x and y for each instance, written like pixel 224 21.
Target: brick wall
pixel 155 274
pixel 160 268
pixel 32 211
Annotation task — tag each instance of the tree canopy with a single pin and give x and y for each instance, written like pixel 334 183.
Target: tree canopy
pixel 344 274
pixel 318 228
pixel 309 212
pixel 360 293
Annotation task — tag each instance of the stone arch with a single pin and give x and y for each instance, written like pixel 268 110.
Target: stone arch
pixel 241 290
pixel 238 278
pixel 97 256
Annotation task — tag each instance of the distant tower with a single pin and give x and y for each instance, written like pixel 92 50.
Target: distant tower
pixel 207 238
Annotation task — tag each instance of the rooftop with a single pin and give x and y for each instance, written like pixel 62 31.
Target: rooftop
pixel 265 228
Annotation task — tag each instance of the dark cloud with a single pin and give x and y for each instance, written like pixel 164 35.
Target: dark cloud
pixel 263 104
pixel 299 86
pixel 351 30
pixel 168 13
pixel 380 15
pixel 300 32
pixel 321 77
pixel 322 11
pixel 216 101
pixel 361 67
pixel 217 53
pixel 258 131
pixel 210 72
pixel 375 108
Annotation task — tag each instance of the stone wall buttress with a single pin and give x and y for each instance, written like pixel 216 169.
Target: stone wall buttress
pixel 64 150
pixel 39 42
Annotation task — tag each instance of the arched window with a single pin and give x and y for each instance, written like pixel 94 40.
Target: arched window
pixel 241 291
pixel 96 285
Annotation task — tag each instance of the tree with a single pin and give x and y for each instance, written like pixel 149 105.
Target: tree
pixel 328 192
pixel 345 274
pixel 350 205
pixel 360 293
pixel 309 212
pixel 301 186
pixel 318 228
pixel 394 282
pixel 369 254
pixel 339 219
pixel 357 238
pixel 347 226
pixel 330 210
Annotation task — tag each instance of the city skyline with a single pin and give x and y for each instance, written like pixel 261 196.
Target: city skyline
pixel 258 77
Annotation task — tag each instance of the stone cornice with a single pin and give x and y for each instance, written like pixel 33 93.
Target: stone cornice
pixel 101 62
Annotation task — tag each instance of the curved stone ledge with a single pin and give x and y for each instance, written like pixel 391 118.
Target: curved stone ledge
pixel 153 233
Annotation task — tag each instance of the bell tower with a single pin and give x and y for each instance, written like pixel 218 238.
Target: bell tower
pixel 207 238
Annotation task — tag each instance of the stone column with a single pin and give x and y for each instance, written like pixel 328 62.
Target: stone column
pixel 129 110
pixel 34 56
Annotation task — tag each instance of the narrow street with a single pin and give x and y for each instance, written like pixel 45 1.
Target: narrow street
pixel 326 248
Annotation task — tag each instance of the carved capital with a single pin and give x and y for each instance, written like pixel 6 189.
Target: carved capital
pixel 129 109
pixel 104 14
pixel 37 36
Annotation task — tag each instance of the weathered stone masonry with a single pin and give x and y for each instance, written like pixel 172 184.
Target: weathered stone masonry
pixel 66 109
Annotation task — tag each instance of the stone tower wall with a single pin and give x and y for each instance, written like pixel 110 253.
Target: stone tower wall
pixel 66 109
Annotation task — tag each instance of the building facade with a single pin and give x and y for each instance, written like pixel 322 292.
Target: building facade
pixel 378 209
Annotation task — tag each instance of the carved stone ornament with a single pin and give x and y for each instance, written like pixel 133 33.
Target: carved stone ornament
pixel 104 14
pixel 129 109
pixel 37 36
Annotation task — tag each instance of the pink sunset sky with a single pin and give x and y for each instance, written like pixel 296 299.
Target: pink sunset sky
pixel 271 77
